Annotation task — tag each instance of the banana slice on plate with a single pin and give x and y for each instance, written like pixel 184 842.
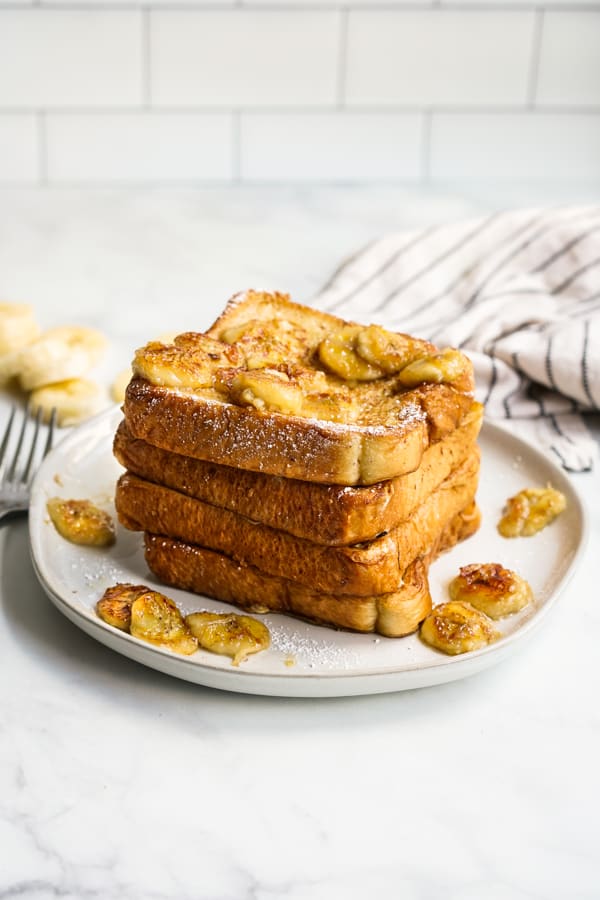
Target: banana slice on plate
pixel 531 510
pixel 147 615
pixel 18 327
pixel 491 588
pixel 74 400
pixel 81 522
pixel 114 606
pixel 60 354
pixel 456 627
pixel 156 619
pixel 229 634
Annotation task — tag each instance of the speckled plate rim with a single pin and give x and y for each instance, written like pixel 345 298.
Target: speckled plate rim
pixel 291 683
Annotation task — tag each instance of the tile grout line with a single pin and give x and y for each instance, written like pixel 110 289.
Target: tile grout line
pixel 426 145
pixel 389 109
pixel 534 66
pixel 236 146
pixel 42 137
pixel 324 6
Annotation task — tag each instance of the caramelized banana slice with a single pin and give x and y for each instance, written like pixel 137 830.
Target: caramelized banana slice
pixel 387 350
pixel 447 366
pixel 191 361
pixel 531 510
pixel 263 389
pixel 456 627
pixel 114 606
pixel 332 406
pixel 338 353
pixel 156 619
pixel 229 634
pixel 267 343
pixel 491 588
pixel 80 522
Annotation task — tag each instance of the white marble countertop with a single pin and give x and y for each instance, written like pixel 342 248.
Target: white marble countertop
pixel 120 783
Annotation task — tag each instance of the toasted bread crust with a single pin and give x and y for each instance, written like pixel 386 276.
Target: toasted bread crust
pixel 214 574
pixel 325 514
pixel 255 392
pixel 374 567
pixel 277 444
pixel 290 446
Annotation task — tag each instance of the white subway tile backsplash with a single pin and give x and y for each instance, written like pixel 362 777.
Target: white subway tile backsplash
pixel 247 58
pixel 184 91
pixel 57 58
pixel 139 147
pixel 19 150
pixel 438 57
pixel 330 146
pixel 520 145
pixel 569 71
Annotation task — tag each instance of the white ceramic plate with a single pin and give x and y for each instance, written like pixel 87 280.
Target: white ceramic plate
pixel 325 663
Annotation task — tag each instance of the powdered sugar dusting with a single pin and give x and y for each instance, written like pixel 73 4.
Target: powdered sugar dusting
pixel 310 652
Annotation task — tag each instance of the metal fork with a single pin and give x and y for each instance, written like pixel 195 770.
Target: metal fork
pixel 15 481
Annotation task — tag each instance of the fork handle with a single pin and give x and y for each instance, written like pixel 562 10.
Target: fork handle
pixel 7 512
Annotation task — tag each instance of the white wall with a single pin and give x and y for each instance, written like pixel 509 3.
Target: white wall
pixel 185 92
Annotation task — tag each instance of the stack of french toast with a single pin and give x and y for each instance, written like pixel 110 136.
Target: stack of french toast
pixel 289 461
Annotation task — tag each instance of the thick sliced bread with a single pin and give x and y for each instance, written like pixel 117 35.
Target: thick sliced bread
pixel 262 390
pixel 325 514
pixel 374 567
pixel 214 574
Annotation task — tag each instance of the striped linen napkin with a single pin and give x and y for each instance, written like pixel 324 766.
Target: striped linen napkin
pixel 519 291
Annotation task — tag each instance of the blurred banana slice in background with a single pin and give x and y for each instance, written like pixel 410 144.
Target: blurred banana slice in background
pixel 51 364
pixel 18 326
pixel 60 354
pixel 74 400
pixel 119 385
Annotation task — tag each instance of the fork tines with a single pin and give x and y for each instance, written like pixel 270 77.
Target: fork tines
pixel 10 472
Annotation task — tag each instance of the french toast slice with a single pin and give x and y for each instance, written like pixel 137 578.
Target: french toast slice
pixel 373 567
pixel 214 574
pixel 325 514
pixel 284 389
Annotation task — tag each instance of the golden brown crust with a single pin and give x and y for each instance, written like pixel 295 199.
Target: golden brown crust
pixel 279 409
pixel 326 514
pixel 373 567
pixel 214 574
pixel 217 575
pixel 274 443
